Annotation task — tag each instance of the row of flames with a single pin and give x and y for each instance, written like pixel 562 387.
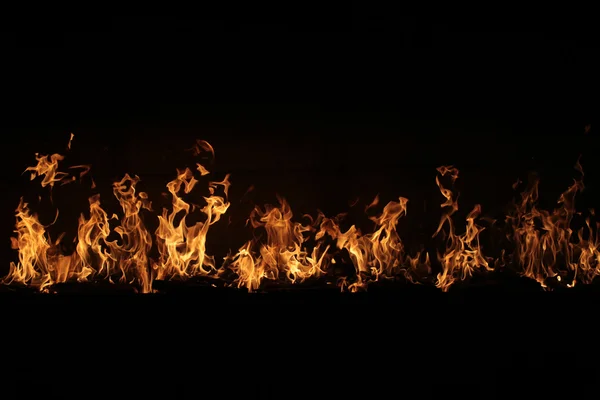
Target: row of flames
pixel 544 245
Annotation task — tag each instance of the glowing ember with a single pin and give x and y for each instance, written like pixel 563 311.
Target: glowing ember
pixel 546 246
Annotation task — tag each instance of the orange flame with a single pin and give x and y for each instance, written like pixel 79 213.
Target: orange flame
pixel 462 254
pixel 547 246
pixel 282 254
pixel 543 239
pixel 183 248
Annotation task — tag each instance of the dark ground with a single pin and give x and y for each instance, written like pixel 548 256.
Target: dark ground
pixel 320 118
pixel 484 345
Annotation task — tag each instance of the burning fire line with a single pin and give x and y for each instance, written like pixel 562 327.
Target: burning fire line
pixel 546 247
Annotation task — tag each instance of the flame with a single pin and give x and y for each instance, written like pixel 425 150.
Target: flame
pixel 92 245
pixel 380 254
pixel 131 255
pixel 47 166
pixel 543 239
pixel 282 254
pixel 462 254
pixel 182 248
pixel 41 263
pixel 70 141
pixel 558 247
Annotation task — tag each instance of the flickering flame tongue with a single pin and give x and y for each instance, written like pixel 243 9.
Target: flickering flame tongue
pixel 47 167
pixel 183 248
pixel 284 249
pixel 462 255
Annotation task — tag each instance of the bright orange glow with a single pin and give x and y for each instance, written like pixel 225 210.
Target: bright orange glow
pixel 285 248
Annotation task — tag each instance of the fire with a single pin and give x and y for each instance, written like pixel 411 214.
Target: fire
pixel 182 248
pixel 462 254
pixel 283 254
pixel 376 255
pixel 558 247
pixel 546 246
pixel 47 166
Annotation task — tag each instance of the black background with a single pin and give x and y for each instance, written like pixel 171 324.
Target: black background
pixel 321 108
pixel 349 106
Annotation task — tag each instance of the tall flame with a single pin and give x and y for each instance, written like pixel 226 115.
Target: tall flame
pixel 543 239
pixel 182 248
pixel 462 254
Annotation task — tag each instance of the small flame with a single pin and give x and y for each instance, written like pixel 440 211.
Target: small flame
pixel 70 141
pixel 47 167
